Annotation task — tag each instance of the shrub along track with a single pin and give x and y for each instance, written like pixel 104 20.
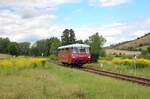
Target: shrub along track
pixel 134 79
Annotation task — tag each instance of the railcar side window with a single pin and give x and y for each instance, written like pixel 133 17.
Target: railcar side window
pixel 87 50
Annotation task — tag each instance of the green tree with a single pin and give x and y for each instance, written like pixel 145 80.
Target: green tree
pixel 13 48
pixel 34 51
pixel 45 47
pixel 79 41
pixel 72 38
pixel 4 42
pixel 68 37
pixel 148 49
pixel 96 43
pixel 54 44
pixel 24 48
pixel 65 37
pixel 41 47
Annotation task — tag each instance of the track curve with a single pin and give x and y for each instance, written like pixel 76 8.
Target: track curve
pixel 134 79
pixel 139 80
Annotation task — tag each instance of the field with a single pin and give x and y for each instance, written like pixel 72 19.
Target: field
pixel 2 56
pixel 122 52
pixel 139 42
pixel 135 67
pixel 50 81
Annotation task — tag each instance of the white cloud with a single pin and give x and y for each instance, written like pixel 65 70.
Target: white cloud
pixel 108 30
pixel 111 32
pixel 31 8
pixel 34 28
pixel 114 40
pixel 31 24
pixel 139 33
pixel 31 29
pixel 115 32
pixel 107 3
pixel 37 3
pixel 141 28
pixel 30 20
pixel 21 29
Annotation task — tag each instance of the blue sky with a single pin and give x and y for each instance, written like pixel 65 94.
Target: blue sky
pixel 116 20
pixel 82 13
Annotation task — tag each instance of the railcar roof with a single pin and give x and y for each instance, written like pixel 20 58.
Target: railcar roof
pixel 74 45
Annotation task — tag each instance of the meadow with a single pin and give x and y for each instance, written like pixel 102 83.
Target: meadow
pixel 137 67
pixel 122 52
pixel 50 81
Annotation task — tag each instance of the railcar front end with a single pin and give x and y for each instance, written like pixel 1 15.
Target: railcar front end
pixel 75 54
pixel 80 55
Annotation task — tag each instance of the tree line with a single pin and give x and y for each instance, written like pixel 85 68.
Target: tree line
pixel 47 47
pixel 43 47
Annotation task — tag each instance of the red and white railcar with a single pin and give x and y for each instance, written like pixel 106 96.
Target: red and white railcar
pixel 78 54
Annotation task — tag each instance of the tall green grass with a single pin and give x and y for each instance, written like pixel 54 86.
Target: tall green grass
pixel 56 82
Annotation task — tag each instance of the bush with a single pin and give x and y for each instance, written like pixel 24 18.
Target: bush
pixel 96 42
pixel 102 53
pixel 146 53
pixel 53 57
pixel 95 57
pixel 108 57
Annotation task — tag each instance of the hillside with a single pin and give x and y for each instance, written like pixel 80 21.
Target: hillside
pixel 139 43
pixel 121 52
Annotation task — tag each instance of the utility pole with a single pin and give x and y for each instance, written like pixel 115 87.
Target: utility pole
pixel 135 57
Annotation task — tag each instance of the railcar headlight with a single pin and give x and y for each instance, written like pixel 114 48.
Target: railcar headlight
pixel 73 56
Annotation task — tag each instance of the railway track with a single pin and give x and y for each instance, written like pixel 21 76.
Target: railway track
pixel 139 80
pixel 134 79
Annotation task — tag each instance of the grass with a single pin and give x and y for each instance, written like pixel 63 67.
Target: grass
pixel 55 82
pixel 131 69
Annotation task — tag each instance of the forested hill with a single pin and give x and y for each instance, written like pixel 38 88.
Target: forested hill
pixel 137 44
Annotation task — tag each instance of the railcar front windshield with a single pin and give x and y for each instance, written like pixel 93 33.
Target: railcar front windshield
pixel 80 50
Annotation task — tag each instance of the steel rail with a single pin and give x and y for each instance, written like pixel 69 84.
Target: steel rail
pixel 135 79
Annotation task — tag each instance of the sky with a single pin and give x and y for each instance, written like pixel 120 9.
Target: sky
pixel 115 20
